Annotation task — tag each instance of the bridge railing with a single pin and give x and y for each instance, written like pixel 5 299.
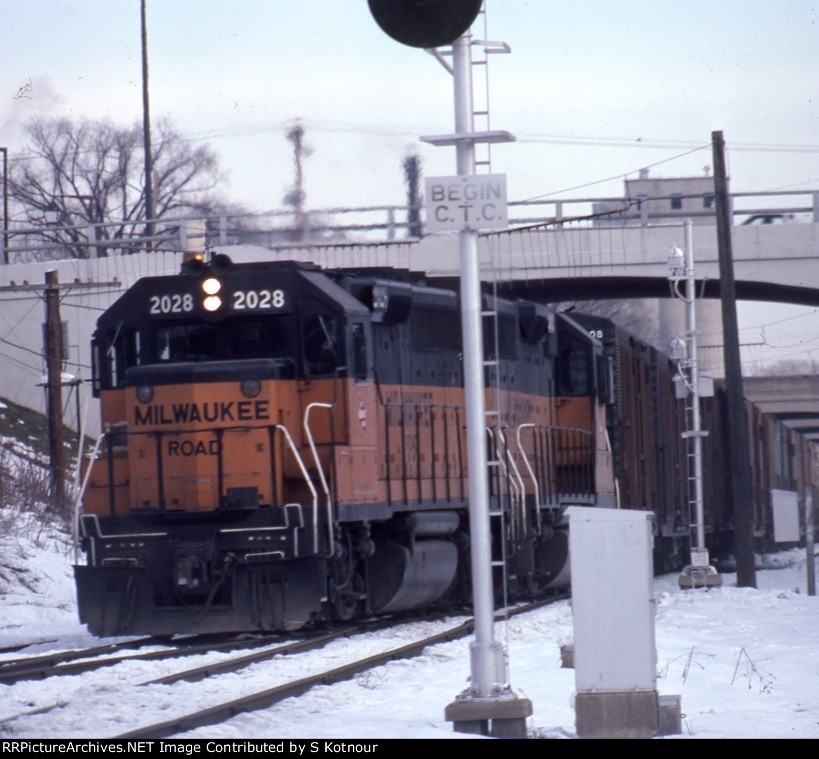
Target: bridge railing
pixel 338 225
pixel 745 207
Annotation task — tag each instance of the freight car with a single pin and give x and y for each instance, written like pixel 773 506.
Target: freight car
pixel 285 445
pixel 645 422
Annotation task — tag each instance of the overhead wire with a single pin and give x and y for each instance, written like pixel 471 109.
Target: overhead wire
pixel 616 176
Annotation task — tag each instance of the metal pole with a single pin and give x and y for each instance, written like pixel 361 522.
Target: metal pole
pixel 696 426
pixel 150 204
pixel 488 671
pixel 805 500
pixel 810 563
pixel 5 205
pixel 699 572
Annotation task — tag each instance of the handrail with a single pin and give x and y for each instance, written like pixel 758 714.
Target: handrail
pixel 320 469
pixel 307 479
pixel 75 527
pixel 504 473
pixel 224 228
pixel 521 485
pixel 522 451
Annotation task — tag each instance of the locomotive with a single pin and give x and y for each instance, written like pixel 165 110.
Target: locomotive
pixel 284 445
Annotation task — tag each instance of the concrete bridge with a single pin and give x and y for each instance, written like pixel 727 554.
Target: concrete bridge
pixel 775 262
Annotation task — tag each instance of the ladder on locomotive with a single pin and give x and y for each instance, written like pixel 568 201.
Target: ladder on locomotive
pixel 490 323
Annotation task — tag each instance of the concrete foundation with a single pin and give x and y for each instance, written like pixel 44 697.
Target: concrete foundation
pixel 669 715
pixel 501 717
pixel 617 715
pixel 699 577
pixel 635 714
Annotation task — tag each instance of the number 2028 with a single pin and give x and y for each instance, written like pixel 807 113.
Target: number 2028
pixel 257 299
pixel 171 304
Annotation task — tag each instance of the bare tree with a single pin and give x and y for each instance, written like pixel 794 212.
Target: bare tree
pixel 91 176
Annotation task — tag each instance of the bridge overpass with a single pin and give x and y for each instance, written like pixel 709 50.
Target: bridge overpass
pixel 795 400
pixel 779 260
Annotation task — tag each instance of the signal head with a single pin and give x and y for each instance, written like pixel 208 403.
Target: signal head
pixel 424 23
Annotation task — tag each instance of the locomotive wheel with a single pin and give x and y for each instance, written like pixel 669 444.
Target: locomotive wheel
pixel 348 603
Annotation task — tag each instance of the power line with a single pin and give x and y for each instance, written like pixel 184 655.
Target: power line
pixel 639 142
pixel 618 176
pixel 531 138
pixel 21 364
pixel 21 347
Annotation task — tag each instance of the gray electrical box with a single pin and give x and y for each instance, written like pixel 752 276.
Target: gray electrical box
pixel 612 606
pixel 615 656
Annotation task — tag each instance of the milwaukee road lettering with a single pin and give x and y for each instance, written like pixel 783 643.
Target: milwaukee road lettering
pixel 191 413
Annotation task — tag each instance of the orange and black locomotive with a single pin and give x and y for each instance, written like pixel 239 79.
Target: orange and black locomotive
pixel 284 445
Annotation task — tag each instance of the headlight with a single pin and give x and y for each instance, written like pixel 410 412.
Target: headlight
pixel 251 387
pixel 212 303
pixel 211 286
pixel 145 393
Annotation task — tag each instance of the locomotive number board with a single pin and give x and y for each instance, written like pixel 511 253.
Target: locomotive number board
pixel 225 300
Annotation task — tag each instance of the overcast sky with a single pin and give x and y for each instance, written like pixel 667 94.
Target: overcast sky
pixel 593 90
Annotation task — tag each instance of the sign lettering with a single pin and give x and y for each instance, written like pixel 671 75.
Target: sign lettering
pixel 466 202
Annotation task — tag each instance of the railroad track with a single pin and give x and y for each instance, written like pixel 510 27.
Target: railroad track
pixel 68 662
pixel 30 707
pixel 263 699
pixel 65 662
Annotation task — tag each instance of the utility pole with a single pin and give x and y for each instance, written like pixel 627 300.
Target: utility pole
pixel 810 558
pixel 737 445
pixel 54 364
pixel 53 349
pixel 150 205
pixel 5 152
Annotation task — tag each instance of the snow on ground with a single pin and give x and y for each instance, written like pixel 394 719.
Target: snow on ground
pixel 744 661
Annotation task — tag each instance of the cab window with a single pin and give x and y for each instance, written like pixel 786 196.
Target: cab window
pixel 320 345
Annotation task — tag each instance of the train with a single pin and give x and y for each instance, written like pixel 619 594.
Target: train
pixel 648 425
pixel 284 446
